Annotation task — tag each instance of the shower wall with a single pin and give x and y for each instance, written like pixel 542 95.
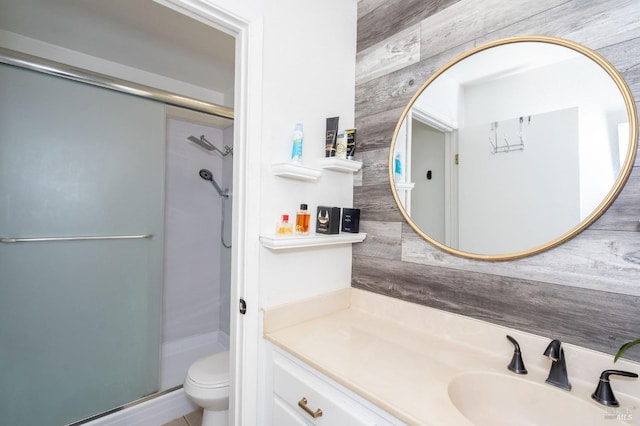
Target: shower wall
pixel 225 277
pixel 196 265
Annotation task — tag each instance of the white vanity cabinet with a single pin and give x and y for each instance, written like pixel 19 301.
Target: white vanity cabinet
pixel 303 396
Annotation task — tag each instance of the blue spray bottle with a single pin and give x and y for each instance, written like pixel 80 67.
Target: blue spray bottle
pixel 296 152
pixel 397 167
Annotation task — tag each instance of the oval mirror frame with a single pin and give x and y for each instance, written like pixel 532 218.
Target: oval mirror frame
pixel 623 175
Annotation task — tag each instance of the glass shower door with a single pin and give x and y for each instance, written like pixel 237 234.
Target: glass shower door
pixel 80 319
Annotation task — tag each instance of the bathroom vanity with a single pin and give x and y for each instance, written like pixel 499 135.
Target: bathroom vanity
pixel 353 357
pixel 303 395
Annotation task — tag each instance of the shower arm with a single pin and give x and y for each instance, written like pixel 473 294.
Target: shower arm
pixel 227 150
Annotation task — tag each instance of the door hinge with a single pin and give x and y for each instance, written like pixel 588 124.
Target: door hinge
pixel 243 306
pixel 457 158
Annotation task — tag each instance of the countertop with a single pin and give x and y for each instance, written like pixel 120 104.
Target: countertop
pixel 401 356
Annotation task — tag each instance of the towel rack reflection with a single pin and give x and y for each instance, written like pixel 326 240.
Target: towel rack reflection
pixel 104 237
pixel 496 148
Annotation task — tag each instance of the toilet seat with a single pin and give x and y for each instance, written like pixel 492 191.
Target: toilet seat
pixel 211 372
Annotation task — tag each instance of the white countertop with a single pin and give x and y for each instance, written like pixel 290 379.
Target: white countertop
pixel 401 356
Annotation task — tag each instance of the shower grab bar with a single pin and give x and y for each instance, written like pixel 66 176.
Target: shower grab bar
pixel 105 237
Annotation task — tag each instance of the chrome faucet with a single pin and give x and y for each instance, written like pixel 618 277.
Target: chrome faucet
pixel 558 372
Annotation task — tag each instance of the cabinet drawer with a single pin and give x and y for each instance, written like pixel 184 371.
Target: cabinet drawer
pixel 300 388
pixel 283 414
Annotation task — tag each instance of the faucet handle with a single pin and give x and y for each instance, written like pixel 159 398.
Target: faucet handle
pixel 603 393
pixel 517 364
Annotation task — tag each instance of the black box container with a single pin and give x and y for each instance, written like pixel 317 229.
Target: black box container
pixel 351 220
pixel 328 220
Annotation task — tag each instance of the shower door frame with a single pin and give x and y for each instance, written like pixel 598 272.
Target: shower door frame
pixel 72 208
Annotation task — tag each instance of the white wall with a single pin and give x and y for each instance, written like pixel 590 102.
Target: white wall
pixel 541 204
pixel 197 269
pixel 225 258
pixel 601 108
pixel 308 75
pixel 193 251
pixel 428 195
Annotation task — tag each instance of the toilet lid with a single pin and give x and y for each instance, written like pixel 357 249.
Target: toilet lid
pixel 211 371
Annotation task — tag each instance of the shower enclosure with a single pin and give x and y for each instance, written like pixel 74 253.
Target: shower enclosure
pixel 197 264
pixel 82 240
pixel 76 306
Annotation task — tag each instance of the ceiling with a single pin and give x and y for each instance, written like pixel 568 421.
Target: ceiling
pixel 508 59
pixel 137 33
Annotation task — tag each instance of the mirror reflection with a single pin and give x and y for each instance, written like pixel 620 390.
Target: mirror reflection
pixel 513 148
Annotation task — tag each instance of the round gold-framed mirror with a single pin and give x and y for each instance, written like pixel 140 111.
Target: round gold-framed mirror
pixel 513 147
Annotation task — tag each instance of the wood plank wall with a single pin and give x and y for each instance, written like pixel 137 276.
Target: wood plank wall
pixel 584 292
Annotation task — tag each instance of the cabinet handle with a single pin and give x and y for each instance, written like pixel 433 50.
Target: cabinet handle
pixel 303 404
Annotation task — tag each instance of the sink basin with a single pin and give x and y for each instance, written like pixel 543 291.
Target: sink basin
pixel 499 399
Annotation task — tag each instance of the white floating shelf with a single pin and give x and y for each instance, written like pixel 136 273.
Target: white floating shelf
pixel 296 171
pixel 340 164
pixel 407 186
pixel 273 242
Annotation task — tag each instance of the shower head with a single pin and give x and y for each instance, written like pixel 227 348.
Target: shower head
pixel 202 142
pixel 207 175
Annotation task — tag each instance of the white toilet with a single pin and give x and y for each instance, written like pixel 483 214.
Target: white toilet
pixel 207 384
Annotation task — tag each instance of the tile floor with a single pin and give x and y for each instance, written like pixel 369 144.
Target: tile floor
pixel 191 419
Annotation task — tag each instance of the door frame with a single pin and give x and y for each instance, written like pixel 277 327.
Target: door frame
pixel 449 128
pixel 245 329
